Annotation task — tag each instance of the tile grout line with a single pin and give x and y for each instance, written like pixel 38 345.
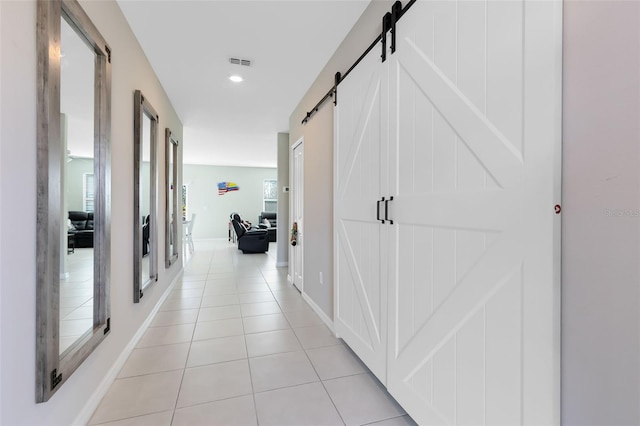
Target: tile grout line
pixel 253 391
pixel 244 337
pixel 328 394
pixel 186 361
pixel 320 380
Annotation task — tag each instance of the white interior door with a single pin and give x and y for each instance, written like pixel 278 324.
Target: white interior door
pixel 297 203
pixel 474 296
pixel 360 311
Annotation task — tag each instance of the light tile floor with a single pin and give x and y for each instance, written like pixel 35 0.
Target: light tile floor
pixel 235 344
pixel 76 297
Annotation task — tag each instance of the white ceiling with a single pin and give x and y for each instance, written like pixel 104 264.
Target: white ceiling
pixel 189 42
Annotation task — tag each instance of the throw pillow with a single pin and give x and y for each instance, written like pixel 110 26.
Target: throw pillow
pixel 266 222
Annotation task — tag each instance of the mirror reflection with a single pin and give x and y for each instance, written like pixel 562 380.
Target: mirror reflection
pixel 172 195
pixel 77 166
pixel 145 251
pixel 145 199
pixel 171 206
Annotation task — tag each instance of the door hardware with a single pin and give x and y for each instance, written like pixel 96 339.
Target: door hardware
pixel 378 210
pixel 386 210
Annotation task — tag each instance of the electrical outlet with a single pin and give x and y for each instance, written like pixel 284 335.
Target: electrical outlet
pixel 321 280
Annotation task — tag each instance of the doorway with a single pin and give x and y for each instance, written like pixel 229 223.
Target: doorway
pixel 297 214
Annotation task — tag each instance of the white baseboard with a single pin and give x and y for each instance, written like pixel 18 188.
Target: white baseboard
pixel 289 280
pixel 328 322
pixel 282 264
pixel 94 400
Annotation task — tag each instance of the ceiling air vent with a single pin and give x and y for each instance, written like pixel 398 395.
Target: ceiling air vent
pixel 238 61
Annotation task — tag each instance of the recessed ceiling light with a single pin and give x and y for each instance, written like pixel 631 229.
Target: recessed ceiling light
pixel 235 78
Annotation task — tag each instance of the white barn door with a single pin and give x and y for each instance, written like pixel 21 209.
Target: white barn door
pixel 360 310
pixel 474 279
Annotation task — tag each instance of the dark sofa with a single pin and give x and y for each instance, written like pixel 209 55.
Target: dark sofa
pixel 273 229
pixel 249 240
pixel 82 228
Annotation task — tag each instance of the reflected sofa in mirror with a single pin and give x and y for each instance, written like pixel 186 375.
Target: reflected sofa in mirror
pixel 145 183
pixel 73 223
pixel 171 199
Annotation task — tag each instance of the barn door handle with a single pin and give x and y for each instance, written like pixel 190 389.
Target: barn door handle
pixel 386 209
pixel 378 210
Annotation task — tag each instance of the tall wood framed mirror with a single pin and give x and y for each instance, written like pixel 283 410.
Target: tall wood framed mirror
pixel 171 200
pixel 145 184
pixel 73 184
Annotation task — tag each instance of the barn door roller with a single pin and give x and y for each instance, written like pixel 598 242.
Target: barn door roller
pixel 396 12
pixel 389 25
pixel 389 21
pixel 386 26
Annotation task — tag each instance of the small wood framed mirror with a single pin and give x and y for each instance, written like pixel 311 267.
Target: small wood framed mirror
pixel 171 201
pixel 74 185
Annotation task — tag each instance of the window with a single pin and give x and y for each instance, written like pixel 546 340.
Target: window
pixel 88 190
pixel 270 196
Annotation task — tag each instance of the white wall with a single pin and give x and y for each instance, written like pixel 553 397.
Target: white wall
pixel 601 219
pixel 130 71
pixel 2 205
pixel 283 199
pixel 213 210
pixel 318 152
pixel 74 182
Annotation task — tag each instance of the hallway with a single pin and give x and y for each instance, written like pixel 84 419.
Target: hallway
pixel 235 344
